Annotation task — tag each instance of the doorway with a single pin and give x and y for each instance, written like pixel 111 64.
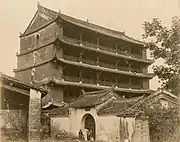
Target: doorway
pixel 88 127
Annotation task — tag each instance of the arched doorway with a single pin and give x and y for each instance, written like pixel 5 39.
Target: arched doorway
pixel 88 126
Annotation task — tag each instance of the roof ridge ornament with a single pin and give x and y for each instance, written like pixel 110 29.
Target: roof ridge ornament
pixel 59 12
pixel 38 4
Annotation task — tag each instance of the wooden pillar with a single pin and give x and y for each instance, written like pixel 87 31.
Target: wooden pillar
pixel 117 64
pixel 34 116
pixel 129 66
pixel 130 82
pixel 80 75
pixel 116 81
pixel 97 78
pixel 80 38
pixel 97 41
pixel 80 56
pixel 129 50
pixel 116 48
pixel 97 61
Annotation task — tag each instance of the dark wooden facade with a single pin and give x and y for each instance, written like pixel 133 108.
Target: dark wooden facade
pixel 76 55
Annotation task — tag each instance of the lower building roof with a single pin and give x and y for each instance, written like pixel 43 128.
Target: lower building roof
pixel 60 111
pixel 116 106
pixel 14 84
pixel 136 108
pixel 90 99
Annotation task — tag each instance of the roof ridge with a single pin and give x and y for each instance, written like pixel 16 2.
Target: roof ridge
pixel 75 99
pixel 91 26
pixel 40 7
pixel 3 75
pixel 139 101
pixel 63 14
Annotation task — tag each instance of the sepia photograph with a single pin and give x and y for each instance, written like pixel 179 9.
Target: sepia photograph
pixel 90 71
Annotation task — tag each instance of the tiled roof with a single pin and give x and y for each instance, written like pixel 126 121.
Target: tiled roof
pixel 159 94
pixel 60 111
pixel 52 15
pixel 52 104
pixel 149 75
pixel 85 85
pixel 4 78
pixel 116 106
pixel 90 99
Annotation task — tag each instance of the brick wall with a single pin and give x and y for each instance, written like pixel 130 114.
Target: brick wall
pixel 42 72
pixel 35 57
pixel 46 34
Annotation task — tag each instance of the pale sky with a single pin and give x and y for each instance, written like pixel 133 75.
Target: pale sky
pixel 122 15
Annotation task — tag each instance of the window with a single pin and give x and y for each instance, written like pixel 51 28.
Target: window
pixel 37 38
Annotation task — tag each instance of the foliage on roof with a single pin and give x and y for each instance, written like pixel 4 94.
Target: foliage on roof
pixel 117 106
pixel 148 102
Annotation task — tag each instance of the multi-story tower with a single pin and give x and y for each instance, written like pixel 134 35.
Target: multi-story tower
pixel 68 55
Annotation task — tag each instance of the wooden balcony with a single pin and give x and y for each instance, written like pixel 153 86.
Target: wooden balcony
pixel 106 83
pixel 133 86
pixel 107 65
pixel 91 62
pixel 100 47
pixel 71 78
pixel 100 82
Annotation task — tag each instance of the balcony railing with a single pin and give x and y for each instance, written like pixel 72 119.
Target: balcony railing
pixel 71 78
pixel 100 82
pixel 88 81
pixel 123 85
pixel 107 65
pixel 95 46
pixel 123 68
pixel 91 62
pixel 136 86
pixel 138 70
pixel 71 58
pixel 106 83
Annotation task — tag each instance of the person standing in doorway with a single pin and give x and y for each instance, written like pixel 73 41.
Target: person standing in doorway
pixel 86 134
pixel 81 136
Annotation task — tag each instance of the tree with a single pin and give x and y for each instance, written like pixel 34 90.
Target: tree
pixel 165 44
